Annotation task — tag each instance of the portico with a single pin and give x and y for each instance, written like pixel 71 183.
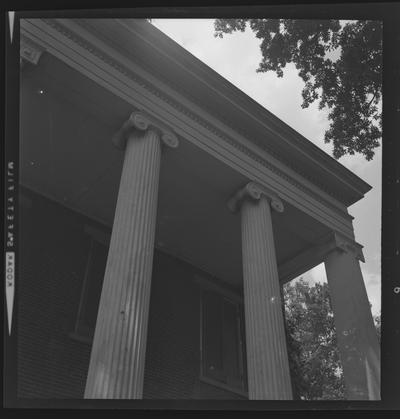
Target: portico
pixel 237 194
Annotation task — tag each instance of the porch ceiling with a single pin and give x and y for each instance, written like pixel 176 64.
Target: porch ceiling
pixel 67 123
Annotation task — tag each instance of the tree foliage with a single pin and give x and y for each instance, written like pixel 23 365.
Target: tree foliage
pixel 311 338
pixel 341 66
pixel 316 370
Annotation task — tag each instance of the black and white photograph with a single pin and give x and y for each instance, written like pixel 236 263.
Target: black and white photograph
pixel 194 209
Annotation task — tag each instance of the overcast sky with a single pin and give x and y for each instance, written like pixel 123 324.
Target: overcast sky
pixel 236 58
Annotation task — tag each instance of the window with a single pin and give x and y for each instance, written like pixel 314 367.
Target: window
pixel 92 285
pixel 222 341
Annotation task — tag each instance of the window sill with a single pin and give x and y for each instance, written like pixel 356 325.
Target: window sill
pixel 223 386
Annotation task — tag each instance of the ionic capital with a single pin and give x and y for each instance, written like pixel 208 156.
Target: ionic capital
pixel 344 244
pixel 29 51
pixel 254 191
pixel 141 121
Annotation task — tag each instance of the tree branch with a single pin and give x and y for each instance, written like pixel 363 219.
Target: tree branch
pixel 373 97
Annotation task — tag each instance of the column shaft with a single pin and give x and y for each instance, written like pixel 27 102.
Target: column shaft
pixel 267 360
pixel 356 334
pixel 117 360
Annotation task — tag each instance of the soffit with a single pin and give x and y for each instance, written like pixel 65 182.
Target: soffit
pixel 67 155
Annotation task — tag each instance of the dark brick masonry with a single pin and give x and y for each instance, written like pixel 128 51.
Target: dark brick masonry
pixel 51 362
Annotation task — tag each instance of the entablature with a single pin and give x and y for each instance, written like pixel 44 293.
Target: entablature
pixel 87 53
pixel 317 253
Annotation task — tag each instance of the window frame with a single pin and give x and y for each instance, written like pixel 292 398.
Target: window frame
pixel 94 235
pixel 233 297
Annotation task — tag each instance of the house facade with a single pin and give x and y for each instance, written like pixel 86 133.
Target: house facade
pixel 161 211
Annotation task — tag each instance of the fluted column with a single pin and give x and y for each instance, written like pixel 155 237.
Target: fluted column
pixel 267 359
pixel 356 334
pixel 117 359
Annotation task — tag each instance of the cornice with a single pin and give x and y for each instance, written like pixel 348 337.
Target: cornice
pixel 142 82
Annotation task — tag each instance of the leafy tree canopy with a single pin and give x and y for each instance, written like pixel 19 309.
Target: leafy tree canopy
pixel 314 359
pixel 341 66
pixel 311 338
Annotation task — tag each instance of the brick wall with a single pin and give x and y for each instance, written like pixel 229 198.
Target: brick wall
pixel 173 349
pixel 52 364
pixel 52 250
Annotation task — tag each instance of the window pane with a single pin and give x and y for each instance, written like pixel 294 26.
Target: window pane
pixel 231 341
pixel 212 335
pixel 94 281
